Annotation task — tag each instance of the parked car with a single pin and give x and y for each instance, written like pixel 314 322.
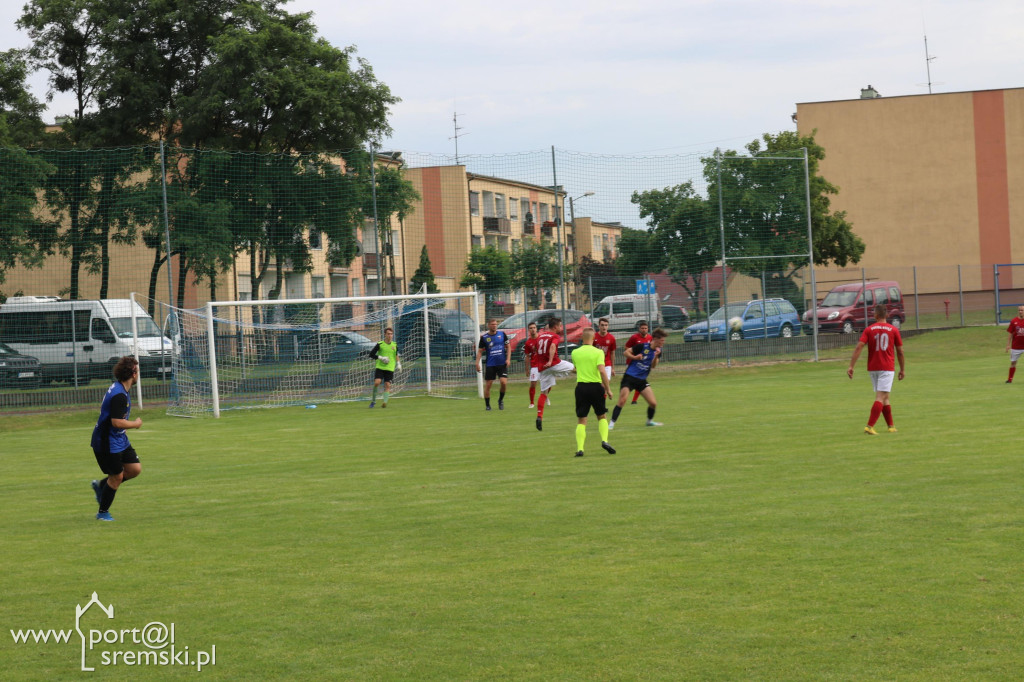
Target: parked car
pixel 674 316
pixel 843 309
pixel 627 311
pixel 17 370
pixel 755 319
pixel 336 346
pixel 573 324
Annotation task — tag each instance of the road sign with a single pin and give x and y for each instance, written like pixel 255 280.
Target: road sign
pixel 645 286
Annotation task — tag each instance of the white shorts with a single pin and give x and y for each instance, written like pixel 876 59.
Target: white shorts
pixel 1015 353
pixel 534 374
pixel 608 372
pixel 548 377
pixel 882 380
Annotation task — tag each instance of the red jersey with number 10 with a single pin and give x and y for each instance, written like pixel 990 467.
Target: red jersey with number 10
pixel 635 339
pixel 881 339
pixel 545 340
pixel 1016 330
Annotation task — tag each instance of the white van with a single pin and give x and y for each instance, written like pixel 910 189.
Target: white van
pixel 42 326
pixel 626 311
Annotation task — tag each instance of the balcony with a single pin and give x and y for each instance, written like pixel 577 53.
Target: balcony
pixel 369 261
pixel 547 228
pixel 528 228
pixel 497 225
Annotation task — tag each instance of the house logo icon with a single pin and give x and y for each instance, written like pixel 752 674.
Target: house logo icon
pixel 79 612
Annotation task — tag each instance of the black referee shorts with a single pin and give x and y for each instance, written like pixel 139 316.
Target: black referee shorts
pixel 590 395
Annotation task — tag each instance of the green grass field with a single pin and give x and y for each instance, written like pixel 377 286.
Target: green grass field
pixel 758 535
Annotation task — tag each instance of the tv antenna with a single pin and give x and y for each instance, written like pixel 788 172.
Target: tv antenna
pixel 457 135
pixel 928 58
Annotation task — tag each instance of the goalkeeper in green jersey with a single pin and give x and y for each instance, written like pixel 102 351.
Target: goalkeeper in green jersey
pixel 386 355
pixel 591 391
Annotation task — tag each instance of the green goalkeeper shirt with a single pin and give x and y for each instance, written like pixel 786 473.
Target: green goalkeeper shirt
pixel 387 354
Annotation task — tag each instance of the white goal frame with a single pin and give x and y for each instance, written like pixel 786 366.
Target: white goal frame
pixel 211 333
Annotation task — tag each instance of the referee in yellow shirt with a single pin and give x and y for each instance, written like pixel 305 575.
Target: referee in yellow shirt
pixel 591 391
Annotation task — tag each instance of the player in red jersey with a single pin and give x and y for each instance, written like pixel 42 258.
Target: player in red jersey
pixel 603 340
pixel 529 353
pixel 1015 342
pixel 551 368
pixel 640 337
pixel 883 342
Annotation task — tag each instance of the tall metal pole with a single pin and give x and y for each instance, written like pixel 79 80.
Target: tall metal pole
pixel 376 229
pixel 561 255
pixel 167 226
pixel 725 288
pixel 810 254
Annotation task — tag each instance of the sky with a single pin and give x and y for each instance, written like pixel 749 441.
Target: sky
pixel 647 76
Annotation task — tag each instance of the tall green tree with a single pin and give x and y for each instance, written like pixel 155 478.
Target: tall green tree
pixel 424 275
pixel 488 269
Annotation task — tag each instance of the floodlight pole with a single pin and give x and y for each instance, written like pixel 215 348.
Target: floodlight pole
pixel 810 254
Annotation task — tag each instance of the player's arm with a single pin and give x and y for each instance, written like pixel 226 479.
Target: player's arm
pixel 552 349
pixel 657 357
pixel 631 353
pixel 604 381
pixel 1009 336
pixel 508 350
pixel 479 350
pixel 856 354
pixel 899 359
pixel 375 351
pixel 119 405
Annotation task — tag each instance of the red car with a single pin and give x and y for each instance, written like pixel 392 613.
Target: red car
pixel 573 324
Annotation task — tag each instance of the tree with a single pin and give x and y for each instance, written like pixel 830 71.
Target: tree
pixel 424 275
pixel 535 268
pixel 685 235
pixel 488 269
pixel 639 254
pixel 598 279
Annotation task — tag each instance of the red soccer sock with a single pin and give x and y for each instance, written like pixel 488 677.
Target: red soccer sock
pixel 1012 370
pixel 887 414
pixel 533 393
pixel 876 410
pixel 636 396
pixel 540 406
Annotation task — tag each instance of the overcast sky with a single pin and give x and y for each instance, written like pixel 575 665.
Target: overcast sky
pixel 649 76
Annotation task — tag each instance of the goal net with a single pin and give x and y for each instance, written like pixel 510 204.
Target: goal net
pixel 239 354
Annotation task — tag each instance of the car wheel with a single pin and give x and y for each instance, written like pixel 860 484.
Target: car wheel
pixel 786 332
pixel 736 336
pixel 896 322
pixel 848 327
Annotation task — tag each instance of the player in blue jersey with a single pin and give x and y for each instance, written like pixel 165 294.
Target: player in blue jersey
pixel 643 357
pixel 115 455
pixel 499 354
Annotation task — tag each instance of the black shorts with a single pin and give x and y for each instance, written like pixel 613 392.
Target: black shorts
pixel 590 395
pixel 112 463
pixel 634 384
pixel 495 372
pixel 383 374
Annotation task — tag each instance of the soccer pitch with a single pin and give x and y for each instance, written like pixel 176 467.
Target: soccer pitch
pixel 758 535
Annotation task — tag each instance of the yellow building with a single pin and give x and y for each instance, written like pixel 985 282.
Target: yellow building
pixel 932 181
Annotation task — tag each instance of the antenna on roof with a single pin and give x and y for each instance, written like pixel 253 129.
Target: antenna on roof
pixel 456 136
pixel 928 63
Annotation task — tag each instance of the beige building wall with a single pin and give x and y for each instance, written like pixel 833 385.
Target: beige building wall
pixel 927 180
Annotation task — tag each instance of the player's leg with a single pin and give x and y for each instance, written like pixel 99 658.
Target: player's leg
pixel 652 403
pixel 623 397
pixel 883 397
pixel 502 386
pixel 387 392
pixel 1014 356
pixel 111 465
pixel 487 390
pixel 131 470
pixel 376 385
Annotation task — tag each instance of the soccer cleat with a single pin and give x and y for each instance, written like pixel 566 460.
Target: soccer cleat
pixel 651 422
pixel 633 403
pixel 372 403
pixel 540 427
pixel 611 425
pixel 532 406
pixel 487 407
pixel 96 489
pixel 104 516
pixel 607 447
pixel 383 405
pixel 579 453
pixel 501 405
pixel 870 430
pixel 1009 381
pixel 892 429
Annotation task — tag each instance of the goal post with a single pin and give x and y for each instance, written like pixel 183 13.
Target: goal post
pixel 262 353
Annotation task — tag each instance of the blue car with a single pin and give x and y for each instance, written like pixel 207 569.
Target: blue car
pixel 758 319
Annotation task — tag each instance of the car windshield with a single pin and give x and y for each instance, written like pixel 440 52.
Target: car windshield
pixel 7 350
pixel 601 309
pixel 735 310
pixel 123 327
pixel 358 338
pixel 458 325
pixel 839 299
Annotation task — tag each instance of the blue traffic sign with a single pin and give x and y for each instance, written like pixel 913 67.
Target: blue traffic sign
pixel 645 286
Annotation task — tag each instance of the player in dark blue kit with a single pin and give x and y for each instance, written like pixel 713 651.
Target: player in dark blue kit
pixel 115 455
pixel 643 358
pixel 499 354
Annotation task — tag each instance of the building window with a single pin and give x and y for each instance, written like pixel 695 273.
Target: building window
pixel 488 204
pixel 355 287
pixel 315 240
pixel 318 287
pixel 524 204
pixel 513 209
pixel 476 241
pixel 369 239
pixel 499 205
pixel 474 203
pixel 543 213
pixel 597 244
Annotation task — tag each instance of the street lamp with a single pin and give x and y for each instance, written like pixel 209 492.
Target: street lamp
pixel 572 220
